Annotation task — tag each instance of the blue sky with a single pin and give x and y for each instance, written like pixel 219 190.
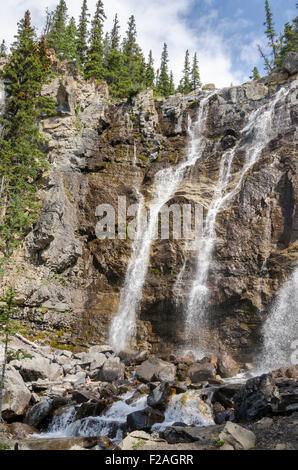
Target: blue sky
pixel 225 33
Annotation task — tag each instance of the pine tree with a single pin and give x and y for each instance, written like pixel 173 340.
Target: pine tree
pixel 114 61
pixel 270 31
pixel 186 85
pixel 255 74
pixel 288 41
pixel 163 84
pixel 94 62
pixel 21 158
pixel 195 74
pixel 3 49
pixel 56 37
pixel 70 51
pixel 150 75
pixel 82 34
pixel 171 84
pixel 134 67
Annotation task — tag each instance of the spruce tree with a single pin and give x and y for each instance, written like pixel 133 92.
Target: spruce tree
pixel 195 81
pixel 150 75
pixel 3 49
pixel 94 62
pixel 21 158
pixel 134 67
pixel 163 84
pixel 270 31
pixel 255 74
pixel 171 84
pixel 186 85
pixel 288 42
pixel 82 34
pixel 70 51
pixel 114 61
pixel 56 37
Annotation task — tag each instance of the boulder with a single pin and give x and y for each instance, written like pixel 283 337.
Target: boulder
pixel 36 415
pixel 291 63
pixel 155 369
pixel 21 430
pixel 201 370
pixel 259 397
pixel 227 367
pixel 225 394
pixel 208 86
pixel 113 369
pixel 144 419
pixel 237 436
pixel 136 440
pixel 159 396
pixel 16 396
pixel 39 367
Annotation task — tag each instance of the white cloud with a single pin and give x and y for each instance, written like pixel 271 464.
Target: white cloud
pixel 158 21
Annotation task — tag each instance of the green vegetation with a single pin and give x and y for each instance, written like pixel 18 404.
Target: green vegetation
pixel 137 445
pixel 21 157
pixel 279 46
pixel 8 327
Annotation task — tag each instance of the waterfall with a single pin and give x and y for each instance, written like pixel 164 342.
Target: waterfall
pixel 257 134
pixel 166 181
pixel 280 330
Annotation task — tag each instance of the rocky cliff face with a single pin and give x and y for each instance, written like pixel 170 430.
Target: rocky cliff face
pixel 68 281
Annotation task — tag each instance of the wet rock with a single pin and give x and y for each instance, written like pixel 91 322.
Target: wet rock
pixel 159 396
pixel 259 397
pixel 201 370
pixel 21 430
pixel 93 408
pixel 156 369
pixel 225 416
pixel 238 437
pixel 16 396
pixel 224 395
pixel 36 415
pixel 144 419
pixel 227 367
pixel 113 369
pixel 182 434
pixel 291 63
pixel 82 396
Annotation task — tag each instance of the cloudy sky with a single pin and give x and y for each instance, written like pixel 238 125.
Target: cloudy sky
pixel 225 33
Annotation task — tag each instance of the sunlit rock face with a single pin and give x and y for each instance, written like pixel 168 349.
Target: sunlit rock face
pixel 69 280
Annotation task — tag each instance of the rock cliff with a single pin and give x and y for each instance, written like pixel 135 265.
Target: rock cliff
pixel 68 281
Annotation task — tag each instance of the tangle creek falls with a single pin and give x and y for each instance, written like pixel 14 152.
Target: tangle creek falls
pixel 231 151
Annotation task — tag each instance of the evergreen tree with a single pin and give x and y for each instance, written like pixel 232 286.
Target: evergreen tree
pixel 150 75
pixel 70 51
pixel 82 34
pixel 21 158
pixel 163 84
pixel 185 83
pixel 94 62
pixel 56 37
pixel 270 31
pixel 114 61
pixel 134 67
pixel 255 74
pixel 171 84
pixel 3 49
pixel 288 41
pixel 195 74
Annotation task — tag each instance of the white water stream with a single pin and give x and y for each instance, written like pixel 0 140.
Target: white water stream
pixel 257 134
pixel 165 184
pixel 280 330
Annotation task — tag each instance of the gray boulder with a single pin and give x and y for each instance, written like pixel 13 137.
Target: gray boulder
pixel 159 396
pixel 39 367
pixel 237 436
pixel 36 415
pixel 16 396
pixel 201 371
pixel 113 369
pixel 155 369
pixel 143 420
pixel 291 63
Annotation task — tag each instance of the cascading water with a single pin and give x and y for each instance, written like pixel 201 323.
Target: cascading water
pixel 257 134
pixel 280 330
pixel 165 184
